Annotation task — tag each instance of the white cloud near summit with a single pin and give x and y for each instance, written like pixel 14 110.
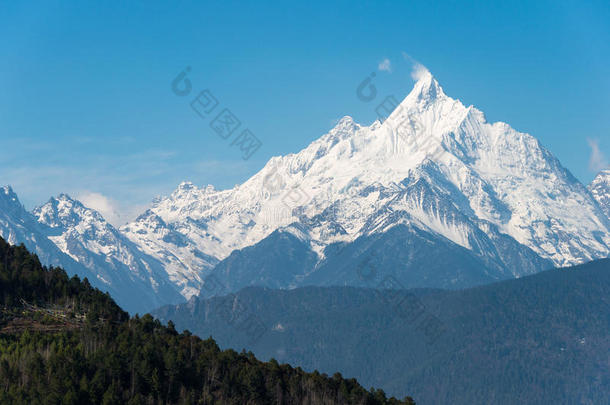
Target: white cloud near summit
pixel 418 70
pixel 102 204
pixel 597 159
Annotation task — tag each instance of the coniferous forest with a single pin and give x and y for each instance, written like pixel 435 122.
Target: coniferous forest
pixel 64 342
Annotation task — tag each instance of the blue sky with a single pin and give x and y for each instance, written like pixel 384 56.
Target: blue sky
pixel 86 105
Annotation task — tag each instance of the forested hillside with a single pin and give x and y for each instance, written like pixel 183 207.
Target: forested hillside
pixel 63 342
pixel 540 339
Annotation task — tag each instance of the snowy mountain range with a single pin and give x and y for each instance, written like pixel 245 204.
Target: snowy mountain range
pixel 64 233
pixel 435 196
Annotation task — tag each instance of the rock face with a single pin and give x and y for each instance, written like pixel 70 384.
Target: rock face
pixel 433 184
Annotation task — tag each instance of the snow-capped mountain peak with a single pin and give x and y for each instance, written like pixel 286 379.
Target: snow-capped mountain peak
pixel 13 216
pixel 64 211
pixel 84 235
pixel 508 178
pixel 600 189
pixel 76 229
pixel 7 190
pixel 426 89
pixel 8 198
pixel 434 176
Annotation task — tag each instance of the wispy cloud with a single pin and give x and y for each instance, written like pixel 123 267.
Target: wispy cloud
pixel 102 204
pixel 597 160
pixel 419 70
pixel 385 65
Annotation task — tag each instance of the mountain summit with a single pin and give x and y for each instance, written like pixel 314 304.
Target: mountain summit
pixel 84 235
pixel 600 188
pixel 438 196
pixel 502 180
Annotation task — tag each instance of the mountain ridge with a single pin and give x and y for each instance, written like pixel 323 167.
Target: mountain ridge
pixel 248 202
pixel 434 165
pixel 505 342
